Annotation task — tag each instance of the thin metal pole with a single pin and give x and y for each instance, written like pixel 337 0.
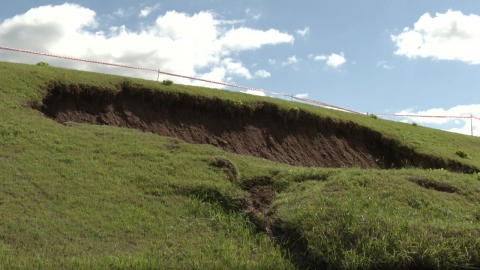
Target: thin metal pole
pixel 471 123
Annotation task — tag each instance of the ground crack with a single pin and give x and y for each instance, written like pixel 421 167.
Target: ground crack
pixel 257 206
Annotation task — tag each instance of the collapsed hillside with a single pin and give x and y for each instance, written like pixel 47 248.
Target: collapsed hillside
pixel 124 199
pixel 262 130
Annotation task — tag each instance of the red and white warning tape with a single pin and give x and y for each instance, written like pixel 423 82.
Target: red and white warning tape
pixel 426 116
pixel 139 68
pixel 177 75
pixel 73 58
pixel 325 104
pixel 222 83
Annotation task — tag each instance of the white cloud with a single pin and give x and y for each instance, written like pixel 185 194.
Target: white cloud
pixel 175 42
pixel 272 61
pixel 337 109
pixel 302 95
pixel 460 110
pixel 256 93
pixel 236 68
pixel 121 12
pixel 231 22
pixel 422 120
pixel 262 73
pixel 467 128
pixel 303 32
pixel 250 39
pixel 334 60
pixel 383 64
pixel 455 111
pixel 253 14
pixel 291 60
pixel 447 36
pixel 147 10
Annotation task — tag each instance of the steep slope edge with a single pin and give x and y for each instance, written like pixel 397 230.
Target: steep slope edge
pixel 262 130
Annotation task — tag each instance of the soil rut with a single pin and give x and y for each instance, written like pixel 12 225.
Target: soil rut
pixel 265 131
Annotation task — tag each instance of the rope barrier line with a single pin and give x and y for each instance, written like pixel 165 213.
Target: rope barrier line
pixel 325 104
pixel 225 84
pixel 176 75
pixel 74 58
pixel 471 117
pixel 222 83
pixel 139 68
pixel 426 116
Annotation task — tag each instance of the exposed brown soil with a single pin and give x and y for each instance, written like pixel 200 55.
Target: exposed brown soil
pixel 257 206
pixel 301 139
pixel 428 184
pixel 261 195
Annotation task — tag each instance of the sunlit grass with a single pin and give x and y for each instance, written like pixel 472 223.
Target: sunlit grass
pixel 100 197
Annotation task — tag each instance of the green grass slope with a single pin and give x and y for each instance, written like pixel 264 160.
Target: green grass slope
pixel 95 197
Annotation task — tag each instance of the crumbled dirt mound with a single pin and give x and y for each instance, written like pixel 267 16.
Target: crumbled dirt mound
pixel 262 196
pixel 257 205
pixel 303 139
pixel 228 167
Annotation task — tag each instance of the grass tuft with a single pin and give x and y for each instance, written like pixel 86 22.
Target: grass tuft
pixel 462 154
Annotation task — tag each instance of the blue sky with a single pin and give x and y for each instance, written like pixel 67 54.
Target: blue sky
pixel 418 57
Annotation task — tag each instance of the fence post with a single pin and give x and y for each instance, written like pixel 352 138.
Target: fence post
pixel 158 74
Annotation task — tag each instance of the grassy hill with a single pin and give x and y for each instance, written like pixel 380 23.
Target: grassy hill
pixel 100 171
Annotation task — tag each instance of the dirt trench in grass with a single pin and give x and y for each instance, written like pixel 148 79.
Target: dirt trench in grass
pixel 303 139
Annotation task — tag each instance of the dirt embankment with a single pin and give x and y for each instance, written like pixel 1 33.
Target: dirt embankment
pixel 293 137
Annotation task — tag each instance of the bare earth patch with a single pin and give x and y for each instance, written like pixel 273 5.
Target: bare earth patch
pixel 263 131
